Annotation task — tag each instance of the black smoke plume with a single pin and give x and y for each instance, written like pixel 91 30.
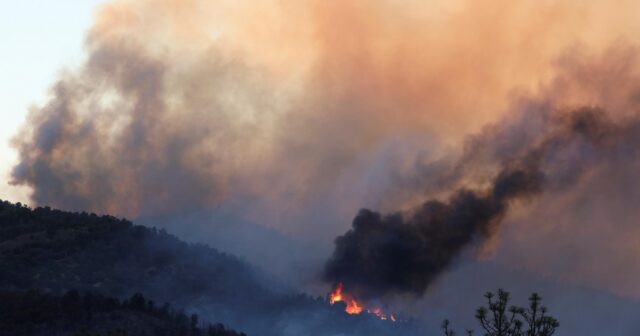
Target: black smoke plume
pixel 403 253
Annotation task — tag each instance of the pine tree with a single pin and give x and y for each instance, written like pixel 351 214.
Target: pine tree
pixel 500 319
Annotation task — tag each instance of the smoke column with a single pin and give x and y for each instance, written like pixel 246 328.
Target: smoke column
pixel 292 114
pixel 403 253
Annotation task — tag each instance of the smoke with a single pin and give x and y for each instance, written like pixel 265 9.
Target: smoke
pixel 291 114
pixel 390 254
pixel 186 104
pixel 404 253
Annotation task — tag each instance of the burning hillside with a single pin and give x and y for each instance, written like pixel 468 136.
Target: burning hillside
pixel 471 130
pixel 353 307
pixel 404 252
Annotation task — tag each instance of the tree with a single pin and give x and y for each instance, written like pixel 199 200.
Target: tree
pixel 500 319
pixel 450 332
pixel 539 323
pixel 71 302
pixel 194 324
pixel 137 302
pixel 445 328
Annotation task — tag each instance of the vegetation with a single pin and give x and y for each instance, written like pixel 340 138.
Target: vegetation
pixel 37 313
pixel 59 252
pixel 500 319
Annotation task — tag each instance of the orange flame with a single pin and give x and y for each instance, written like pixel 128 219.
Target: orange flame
pixel 353 307
pixel 378 312
pixel 336 294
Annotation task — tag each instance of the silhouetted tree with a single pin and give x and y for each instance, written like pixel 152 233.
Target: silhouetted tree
pixel 450 332
pixel 538 322
pixel 85 332
pixel 445 328
pixel 500 319
pixel 70 302
pixel 194 324
pixel 137 302
pixel 87 305
pixel 23 313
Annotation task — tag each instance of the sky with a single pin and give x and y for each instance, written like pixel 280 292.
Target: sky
pixel 274 122
pixel 39 39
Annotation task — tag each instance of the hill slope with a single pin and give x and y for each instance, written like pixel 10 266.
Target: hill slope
pixel 34 313
pixel 57 251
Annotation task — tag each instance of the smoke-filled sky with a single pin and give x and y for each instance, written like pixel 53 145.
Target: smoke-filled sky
pixel 39 39
pixel 262 119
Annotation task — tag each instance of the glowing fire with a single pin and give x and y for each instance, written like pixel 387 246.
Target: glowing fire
pixel 353 307
pixel 377 312
pixel 336 294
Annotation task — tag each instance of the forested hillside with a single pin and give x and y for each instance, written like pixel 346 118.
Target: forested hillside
pixel 33 313
pixel 55 251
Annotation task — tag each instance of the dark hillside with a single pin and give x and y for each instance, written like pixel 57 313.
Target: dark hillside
pixel 34 313
pixel 56 251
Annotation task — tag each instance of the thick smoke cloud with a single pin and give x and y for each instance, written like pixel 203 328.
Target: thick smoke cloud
pixel 392 254
pixel 185 104
pixel 291 114
pixel 403 253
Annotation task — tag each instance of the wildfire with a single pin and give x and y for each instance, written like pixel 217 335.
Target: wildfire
pixel 377 312
pixel 336 294
pixel 353 307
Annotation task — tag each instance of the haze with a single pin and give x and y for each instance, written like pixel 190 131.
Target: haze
pixel 263 127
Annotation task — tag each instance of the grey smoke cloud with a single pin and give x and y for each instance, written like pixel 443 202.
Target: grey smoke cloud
pixel 184 105
pixel 403 253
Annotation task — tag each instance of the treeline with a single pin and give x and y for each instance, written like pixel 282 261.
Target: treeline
pixel 57 251
pixel 36 313
pixel 18 219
